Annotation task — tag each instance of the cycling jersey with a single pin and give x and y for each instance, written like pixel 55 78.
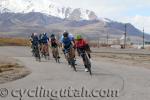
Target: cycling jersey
pixel 35 40
pixel 66 42
pixel 81 43
pixel 44 39
pixel 54 42
pixel 71 37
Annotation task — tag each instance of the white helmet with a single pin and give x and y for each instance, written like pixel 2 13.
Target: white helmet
pixel 35 34
pixel 44 33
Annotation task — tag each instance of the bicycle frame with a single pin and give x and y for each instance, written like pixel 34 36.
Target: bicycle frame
pixel 37 53
pixel 70 58
pixel 55 53
pixel 86 60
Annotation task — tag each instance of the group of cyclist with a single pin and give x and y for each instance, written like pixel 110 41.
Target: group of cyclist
pixel 67 42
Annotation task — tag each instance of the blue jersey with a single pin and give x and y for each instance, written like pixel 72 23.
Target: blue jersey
pixel 44 39
pixel 66 42
pixel 35 40
pixel 70 36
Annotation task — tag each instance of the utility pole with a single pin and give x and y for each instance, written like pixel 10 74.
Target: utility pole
pixel 143 38
pixel 107 38
pixel 125 36
pixel 98 40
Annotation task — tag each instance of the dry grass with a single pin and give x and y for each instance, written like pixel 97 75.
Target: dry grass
pixel 95 44
pixel 7 67
pixel 14 42
pixel 12 72
pixel 139 60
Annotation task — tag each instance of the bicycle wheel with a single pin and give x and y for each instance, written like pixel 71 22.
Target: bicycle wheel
pixel 72 61
pixel 54 54
pixel 37 54
pixel 71 56
pixel 88 63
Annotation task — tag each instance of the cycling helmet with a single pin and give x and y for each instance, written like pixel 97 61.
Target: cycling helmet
pixel 78 37
pixel 44 33
pixel 35 34
pixel 65 34
pixel 52 35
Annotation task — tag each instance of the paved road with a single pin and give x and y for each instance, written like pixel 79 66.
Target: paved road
pixel 132 83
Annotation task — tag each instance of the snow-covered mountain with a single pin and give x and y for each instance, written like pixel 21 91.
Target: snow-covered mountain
pixel 47 7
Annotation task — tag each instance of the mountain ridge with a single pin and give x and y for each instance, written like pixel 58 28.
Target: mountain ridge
pixel 22 17
pixel 24 24
pixel 48 7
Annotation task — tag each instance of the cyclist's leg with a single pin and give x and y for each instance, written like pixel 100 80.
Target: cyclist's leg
pixel 47 49
pixel 72 53
pixel 71 60
pixel 42 48
pixel 67 55
pixel 84 60
pixel 57 53
pixel 81 52
pixel 52 51
pixel 88 50
pixel 67 58
pixel 89 55
pixel 36 51
pixel 32 49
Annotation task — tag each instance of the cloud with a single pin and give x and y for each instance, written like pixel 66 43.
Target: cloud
pixel 105 8
pixel 135 12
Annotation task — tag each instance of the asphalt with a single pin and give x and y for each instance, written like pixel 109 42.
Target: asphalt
pixel 110 81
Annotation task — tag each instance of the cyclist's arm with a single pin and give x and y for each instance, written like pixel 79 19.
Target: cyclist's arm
pixel 62 45
pixel 58 43
pixel 50 43
pixel 73 44
pixel 78 51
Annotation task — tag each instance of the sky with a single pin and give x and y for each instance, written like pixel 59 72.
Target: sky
pixel 136 12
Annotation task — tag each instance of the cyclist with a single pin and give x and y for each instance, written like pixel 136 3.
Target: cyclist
pixel 68 44
pixel 54 45
pixel 31 40
pixel 71 37
pixel 40 41
pixel 82 45
pixel 31 37
pixel 35 45
pixel 44 41
pixel 35 40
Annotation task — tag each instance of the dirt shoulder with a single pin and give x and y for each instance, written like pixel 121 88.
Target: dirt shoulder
pixel 136 60
pixel 11 69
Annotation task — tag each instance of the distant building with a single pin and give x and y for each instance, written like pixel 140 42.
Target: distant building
pixel 128 40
